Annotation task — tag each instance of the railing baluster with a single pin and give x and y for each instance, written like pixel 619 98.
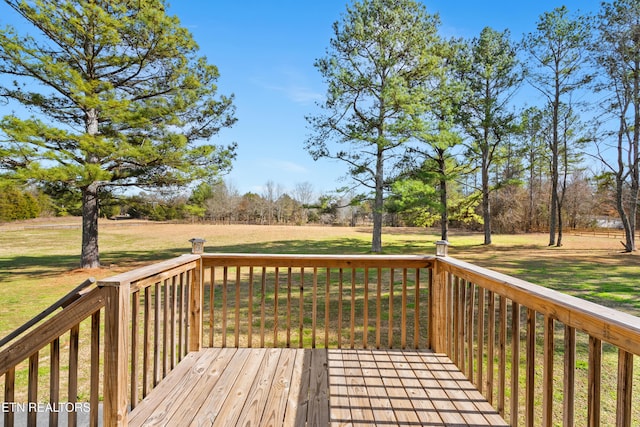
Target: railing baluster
pixel 416 325
pixel 236 328
pixel 263 291
pixel 547 372
pixel 174 319
pixel 480 349
pixel 568 407
pixel 183 334
pixel 352 321
pixel 301 314
pixel 165 328
pixel 327 306
pixel 340 282
pixel 314 308
pixel 135 314
pixel 156 334
pixel 250 313
pixel 225 279
pixel 403 315
pixel 212 301
pixel 470 307
pixel 595 368
pixel 54 380
pixel 9 395
pixel 625 386
pixel 390 328
pixel 515 362
pixel 146 352
pixel 94 393
pixel 365 314
pixel 289 285
pixel 379 307
pixel 449 315
pixel 502 362
pixel 491 344
pixel 455 354
pixel 74 340
pixel 531 367
pixel 461 333
pixel 275 307
pixel 32 394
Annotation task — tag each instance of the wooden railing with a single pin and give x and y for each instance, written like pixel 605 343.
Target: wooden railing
pixel 120 338
pixel 552 354
pixel 137 327
pixel 316 301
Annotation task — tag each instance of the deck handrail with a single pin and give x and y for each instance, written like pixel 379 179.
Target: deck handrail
pixel 63 302
pixel 607 324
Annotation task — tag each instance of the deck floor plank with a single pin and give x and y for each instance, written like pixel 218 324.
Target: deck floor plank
pixel 408 368
pixel 239 389
pixel 278 394
pixel 378 397
pixel 214 402
pixel 192 399
pixel 254 407
pixel 161 402
pixel 361 412
pixel 315 387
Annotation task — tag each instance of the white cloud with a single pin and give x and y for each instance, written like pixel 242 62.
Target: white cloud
pixel 284 166
pixel 292 83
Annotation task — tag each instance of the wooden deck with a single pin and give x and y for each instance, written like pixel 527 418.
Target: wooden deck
pixel 297 387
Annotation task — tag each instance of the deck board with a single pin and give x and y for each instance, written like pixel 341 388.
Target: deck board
pixel 319 387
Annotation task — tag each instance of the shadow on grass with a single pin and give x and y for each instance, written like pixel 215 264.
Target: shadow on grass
pixel 53 265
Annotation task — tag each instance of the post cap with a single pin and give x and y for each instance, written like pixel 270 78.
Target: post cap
pixel 442 248
pixel 197 245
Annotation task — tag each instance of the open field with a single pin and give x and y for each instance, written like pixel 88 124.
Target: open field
pixel 38 259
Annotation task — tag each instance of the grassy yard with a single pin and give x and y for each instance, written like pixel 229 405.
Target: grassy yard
pixel 38 260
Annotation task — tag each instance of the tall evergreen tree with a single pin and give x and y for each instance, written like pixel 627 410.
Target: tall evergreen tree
pixel 490 71
pixel 557 54
pixel 118 96
pixel 382 55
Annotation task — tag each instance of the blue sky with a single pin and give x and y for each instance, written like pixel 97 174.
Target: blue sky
pixel 265 52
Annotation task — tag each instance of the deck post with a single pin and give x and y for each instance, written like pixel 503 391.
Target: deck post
pixel 195 307
pixel 117 309
pixel 438 319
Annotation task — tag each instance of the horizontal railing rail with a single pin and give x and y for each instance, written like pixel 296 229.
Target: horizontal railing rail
pixel 504 333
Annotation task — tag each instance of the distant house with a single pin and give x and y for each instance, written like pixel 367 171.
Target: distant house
pixel 609 222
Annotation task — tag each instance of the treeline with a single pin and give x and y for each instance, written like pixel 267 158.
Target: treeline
pixel 517 208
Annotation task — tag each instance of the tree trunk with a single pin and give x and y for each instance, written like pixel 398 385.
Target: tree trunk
pixel 376 238
pixel 90 257
pixel 444 216
pixel 486 205
pixel 559 241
